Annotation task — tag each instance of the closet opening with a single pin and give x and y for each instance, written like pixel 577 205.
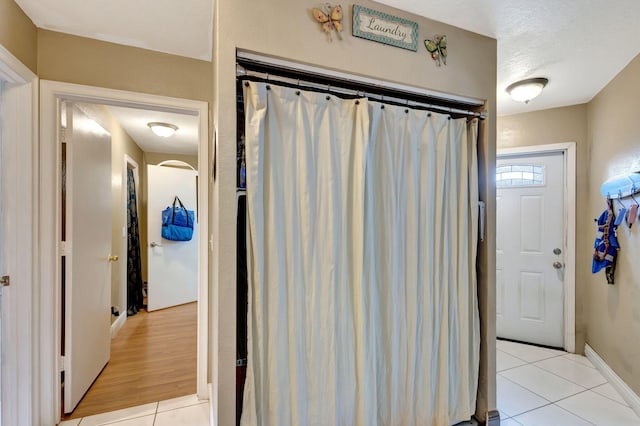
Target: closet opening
pixel 252 69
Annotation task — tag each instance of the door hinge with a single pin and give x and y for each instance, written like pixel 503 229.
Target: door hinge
pixel 5 281
pixel 65 248
pixel 63 136
pixel 62 364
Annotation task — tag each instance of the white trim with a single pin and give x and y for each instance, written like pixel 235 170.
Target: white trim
pixel 618 384
pixel 13 71
pixel 117 324
pixel 19 237
pixel 179 163
pixel 569 249
pixel 50 96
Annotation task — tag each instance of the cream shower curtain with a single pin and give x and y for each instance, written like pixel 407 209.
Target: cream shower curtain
pixel 362 249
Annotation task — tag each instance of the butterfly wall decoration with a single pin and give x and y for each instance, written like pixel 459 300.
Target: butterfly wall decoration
pixel 330 18
pixel 438 49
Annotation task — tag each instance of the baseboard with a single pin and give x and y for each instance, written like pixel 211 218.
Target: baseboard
pixel 618 384
pixel 493 418
pixel 117 324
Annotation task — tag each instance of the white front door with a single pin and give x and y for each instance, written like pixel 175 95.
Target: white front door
pixel 529 244
pixel 172 266
pixel 87 232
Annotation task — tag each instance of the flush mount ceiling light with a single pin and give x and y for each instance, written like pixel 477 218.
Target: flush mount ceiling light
pixel 162 129
pixel 525 90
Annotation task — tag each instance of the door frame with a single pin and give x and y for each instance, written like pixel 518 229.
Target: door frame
pixel 50 251
pixel 569 237
pixel 19 135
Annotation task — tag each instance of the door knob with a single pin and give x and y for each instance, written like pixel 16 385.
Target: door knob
pixel 113 258
pixel 557 265
pixel 154 244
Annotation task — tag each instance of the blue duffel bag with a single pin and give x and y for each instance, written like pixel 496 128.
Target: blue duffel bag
pixel 177 222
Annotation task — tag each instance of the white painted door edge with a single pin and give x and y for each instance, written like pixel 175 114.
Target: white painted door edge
pixel 19 388
pixel 569 249
pixel 618 384
pixel 49 251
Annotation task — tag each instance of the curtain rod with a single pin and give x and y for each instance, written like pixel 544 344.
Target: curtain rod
pixel 349 88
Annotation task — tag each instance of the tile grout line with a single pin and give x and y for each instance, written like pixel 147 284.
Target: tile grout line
pixel 528 390
pixel 605 396
pixel 575 414
pixel 538 360
pixel 569 380
pixel 537 394
pixel 560 377
pixel 551 403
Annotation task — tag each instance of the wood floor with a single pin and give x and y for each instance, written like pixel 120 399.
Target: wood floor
pixel 153 358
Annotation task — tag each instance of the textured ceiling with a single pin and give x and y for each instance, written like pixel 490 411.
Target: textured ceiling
pixel 579 45
pixel 134 122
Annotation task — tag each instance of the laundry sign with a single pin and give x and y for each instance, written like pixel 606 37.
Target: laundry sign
pixel 384 28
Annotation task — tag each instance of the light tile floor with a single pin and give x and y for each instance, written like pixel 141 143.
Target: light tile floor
pixel 536 387
pixel 545 387
pixel 183 411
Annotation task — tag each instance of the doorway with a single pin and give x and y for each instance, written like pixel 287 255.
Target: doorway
pixel 53 95
pixel 535 245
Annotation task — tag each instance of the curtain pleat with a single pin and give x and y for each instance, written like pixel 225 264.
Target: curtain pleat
pixel 361 255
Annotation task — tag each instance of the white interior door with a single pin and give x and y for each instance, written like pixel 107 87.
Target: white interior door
pixel 2 250
pixel 172 265
pixel 529 243
pixel 87 265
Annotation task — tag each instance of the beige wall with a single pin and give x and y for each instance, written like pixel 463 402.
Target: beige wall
pixel 72 59
pixel 154 158
pixel 241 24
pixel 18 34
pixel 613 311
pixel 556 125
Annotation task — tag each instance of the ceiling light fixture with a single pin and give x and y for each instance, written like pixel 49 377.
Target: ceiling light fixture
pixel 525 90
pixel 163 130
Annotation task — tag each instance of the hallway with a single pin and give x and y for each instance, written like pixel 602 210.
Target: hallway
pixel 153 358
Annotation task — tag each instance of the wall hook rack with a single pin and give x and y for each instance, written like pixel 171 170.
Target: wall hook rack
pixel 621 186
